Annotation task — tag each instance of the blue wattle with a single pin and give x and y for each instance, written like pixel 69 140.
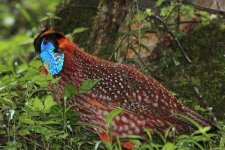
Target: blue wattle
pixel 54 61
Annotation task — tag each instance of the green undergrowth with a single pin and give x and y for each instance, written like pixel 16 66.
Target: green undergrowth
pixel 207 69
pixel 31 118
pixel 201 81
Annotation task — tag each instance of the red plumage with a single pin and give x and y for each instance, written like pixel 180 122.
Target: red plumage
pixel 146 103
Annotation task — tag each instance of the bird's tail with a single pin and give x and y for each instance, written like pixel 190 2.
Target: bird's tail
pixel 199 120
pixel 189 120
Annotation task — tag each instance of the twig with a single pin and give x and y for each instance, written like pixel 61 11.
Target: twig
pixel 199 95
pixel 174 38
pixel 143 64
pixel 178 18
pixel 139 57
pixel 117 48
pixel 30 140
pixel 37 91
pixel 217 3
pixel 131 12
pixel 210 10
pixel 184 22
pixel 139 27
pixel 83 6
pixel 128 45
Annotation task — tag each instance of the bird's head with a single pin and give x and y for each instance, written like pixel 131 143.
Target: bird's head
pixel 51 47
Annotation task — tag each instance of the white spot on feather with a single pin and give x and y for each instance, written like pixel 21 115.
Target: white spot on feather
pixel 155 104
pixel 124 119
pixel 117 118
pixel 139 98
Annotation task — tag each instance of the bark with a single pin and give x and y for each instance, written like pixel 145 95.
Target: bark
pixel 74 14
pixel 107 23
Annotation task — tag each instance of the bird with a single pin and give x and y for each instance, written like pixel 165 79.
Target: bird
pixel 145 102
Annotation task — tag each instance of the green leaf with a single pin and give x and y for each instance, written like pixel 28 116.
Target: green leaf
pixel 159 2
pixel 44 18
pixel 4 68
pixel 50 14
pixel 222 143
pixel 46 122
pixel 2 132
pixel 46 66
pixel 23 132
pixel 203 130
pixel 149 12
pixel 36 104
pixel 5 101
pixel 165 11
pixel 71 115
pixel 30 75
pixel 56 17
pixel 63 136
pixel 26 14
pixel 40 80
pixel 135 141
pixel 26 120
pixel 55 109
pixel 79 30
pixel 50 78
pixel 113 114
pixel 48 103
pixel 38 129
pixel 199 108
pixel 52 134
pixel 106 144
pixel 22 68
pixel 190 119
pixel 149 135
pixel 35 63
pixel 87 85
pixel 140 16
pixel 168 146
pixel 118 142
pixel 69 36
pixel 43 80
pixel 14 145
pixel 69 91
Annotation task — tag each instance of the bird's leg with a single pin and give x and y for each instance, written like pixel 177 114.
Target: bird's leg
pixel 125 144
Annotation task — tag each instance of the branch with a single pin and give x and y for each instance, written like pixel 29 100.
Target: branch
pixel 117 48
pixel 210 10
pixel 83 6
pixel 174 37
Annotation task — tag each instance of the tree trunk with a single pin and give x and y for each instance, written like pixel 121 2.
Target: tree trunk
pixel 110 16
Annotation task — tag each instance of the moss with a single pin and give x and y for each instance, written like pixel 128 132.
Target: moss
pixel 107 23
pixel 76 13
pixel 99 16
pixel 206 47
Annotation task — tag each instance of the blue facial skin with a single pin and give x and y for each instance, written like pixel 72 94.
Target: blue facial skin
pixel 53 61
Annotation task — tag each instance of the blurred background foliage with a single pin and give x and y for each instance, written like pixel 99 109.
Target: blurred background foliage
pixel 19 22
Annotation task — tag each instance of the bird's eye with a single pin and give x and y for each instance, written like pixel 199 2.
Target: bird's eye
pixel 45 42
pixel 47 45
